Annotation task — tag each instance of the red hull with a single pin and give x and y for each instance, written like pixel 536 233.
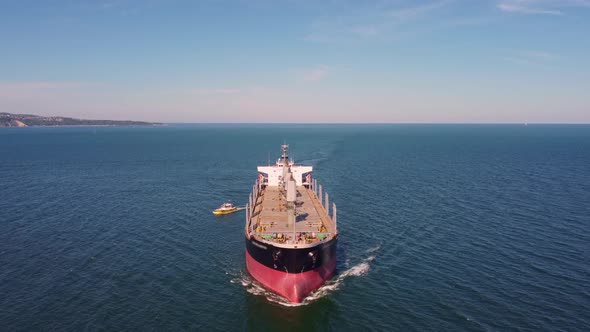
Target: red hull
pixel 293 286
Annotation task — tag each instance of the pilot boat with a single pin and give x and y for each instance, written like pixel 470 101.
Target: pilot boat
pixel 225 208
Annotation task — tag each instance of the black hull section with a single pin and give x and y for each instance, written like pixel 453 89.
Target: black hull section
pixel 292 260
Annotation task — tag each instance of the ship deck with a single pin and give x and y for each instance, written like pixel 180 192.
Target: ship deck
pixel 270 219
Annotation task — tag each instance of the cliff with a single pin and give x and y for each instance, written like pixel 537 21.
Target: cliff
pixel 28 120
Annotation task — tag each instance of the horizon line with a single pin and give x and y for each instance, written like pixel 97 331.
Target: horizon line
pixel 380 123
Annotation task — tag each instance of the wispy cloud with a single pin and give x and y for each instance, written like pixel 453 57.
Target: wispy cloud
pixel 532 57
pixel 539 55
pixel 527 9
pixel 540 7
pixel 413 12
pixel 370 22
pixel 470 21
pixel 316 73
pixel 122 7
pixel 364 30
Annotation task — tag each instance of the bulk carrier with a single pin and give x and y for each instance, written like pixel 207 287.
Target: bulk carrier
pixel 290 236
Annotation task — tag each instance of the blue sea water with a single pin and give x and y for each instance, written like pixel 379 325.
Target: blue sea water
pixel 442 228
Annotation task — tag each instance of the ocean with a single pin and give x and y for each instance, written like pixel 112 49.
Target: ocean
pixel 442 228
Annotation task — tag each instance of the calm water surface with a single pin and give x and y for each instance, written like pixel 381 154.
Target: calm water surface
pixel 442 228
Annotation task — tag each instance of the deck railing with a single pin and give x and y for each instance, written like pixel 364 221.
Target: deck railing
pixel 251 205
pixel 315 187
pixel 318 191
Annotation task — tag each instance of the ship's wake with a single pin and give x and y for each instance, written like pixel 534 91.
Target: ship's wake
pixel 332 285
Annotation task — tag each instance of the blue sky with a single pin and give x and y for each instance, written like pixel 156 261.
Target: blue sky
pixel 298 61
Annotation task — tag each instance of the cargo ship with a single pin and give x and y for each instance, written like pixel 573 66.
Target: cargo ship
pixel 290 236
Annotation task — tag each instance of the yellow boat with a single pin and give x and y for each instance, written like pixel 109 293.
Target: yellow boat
pixel 225 208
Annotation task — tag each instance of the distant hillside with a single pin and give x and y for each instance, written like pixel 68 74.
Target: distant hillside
pixel 28 120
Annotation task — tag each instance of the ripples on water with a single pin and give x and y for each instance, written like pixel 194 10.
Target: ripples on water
pixel 479 228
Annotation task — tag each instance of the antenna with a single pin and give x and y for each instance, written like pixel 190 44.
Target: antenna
pixel 268 158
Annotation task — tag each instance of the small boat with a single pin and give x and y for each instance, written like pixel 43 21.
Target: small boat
pixel 225 208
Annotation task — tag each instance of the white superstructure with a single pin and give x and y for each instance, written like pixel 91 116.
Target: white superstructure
pixel 273 175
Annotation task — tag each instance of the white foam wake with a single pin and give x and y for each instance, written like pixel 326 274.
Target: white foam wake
pixel 358 270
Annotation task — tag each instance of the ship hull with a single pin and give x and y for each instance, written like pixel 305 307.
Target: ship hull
pixel 292 273
pixel 219 212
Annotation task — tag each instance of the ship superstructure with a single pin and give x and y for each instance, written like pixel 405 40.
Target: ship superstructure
pixel 290 236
